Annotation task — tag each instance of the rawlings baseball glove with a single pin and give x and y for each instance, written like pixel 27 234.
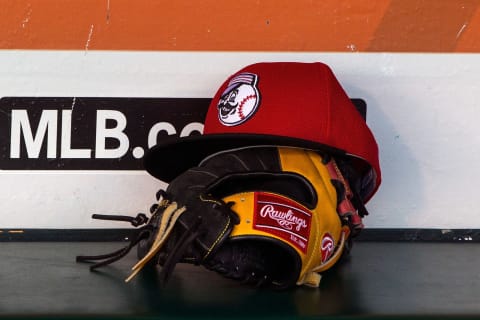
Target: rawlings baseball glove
pixel 261 215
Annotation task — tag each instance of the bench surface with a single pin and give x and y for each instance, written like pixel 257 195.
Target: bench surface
pixel 397 279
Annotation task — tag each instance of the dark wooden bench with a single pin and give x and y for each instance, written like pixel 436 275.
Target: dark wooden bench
pixel 379 279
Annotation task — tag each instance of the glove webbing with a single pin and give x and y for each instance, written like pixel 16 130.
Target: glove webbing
pixel 170 216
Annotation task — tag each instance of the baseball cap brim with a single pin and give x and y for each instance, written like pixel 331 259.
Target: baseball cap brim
pixel 174 155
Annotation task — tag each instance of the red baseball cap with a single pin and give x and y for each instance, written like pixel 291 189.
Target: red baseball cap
pixel 276 103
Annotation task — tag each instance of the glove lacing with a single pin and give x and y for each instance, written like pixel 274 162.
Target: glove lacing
pixel 109 258
pixel 170 215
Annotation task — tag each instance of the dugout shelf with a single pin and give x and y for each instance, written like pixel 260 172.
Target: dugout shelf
pixel 378 280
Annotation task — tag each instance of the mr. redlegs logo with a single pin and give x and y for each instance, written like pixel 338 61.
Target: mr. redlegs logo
pixel 283 218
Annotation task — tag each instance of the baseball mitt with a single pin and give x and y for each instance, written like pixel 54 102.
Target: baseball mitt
pixel 261 215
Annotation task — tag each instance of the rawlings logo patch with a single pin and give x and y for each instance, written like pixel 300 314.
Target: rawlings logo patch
pixel 327 247
pixel 240 100
pixel 283 218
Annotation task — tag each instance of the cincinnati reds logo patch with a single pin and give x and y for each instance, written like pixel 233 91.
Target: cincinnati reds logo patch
pixel 240 100
pixel 327 247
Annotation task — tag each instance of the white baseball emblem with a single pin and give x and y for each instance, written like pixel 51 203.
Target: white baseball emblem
pixel 240 100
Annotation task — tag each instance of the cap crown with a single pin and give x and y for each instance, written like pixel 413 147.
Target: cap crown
pixel 297 100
